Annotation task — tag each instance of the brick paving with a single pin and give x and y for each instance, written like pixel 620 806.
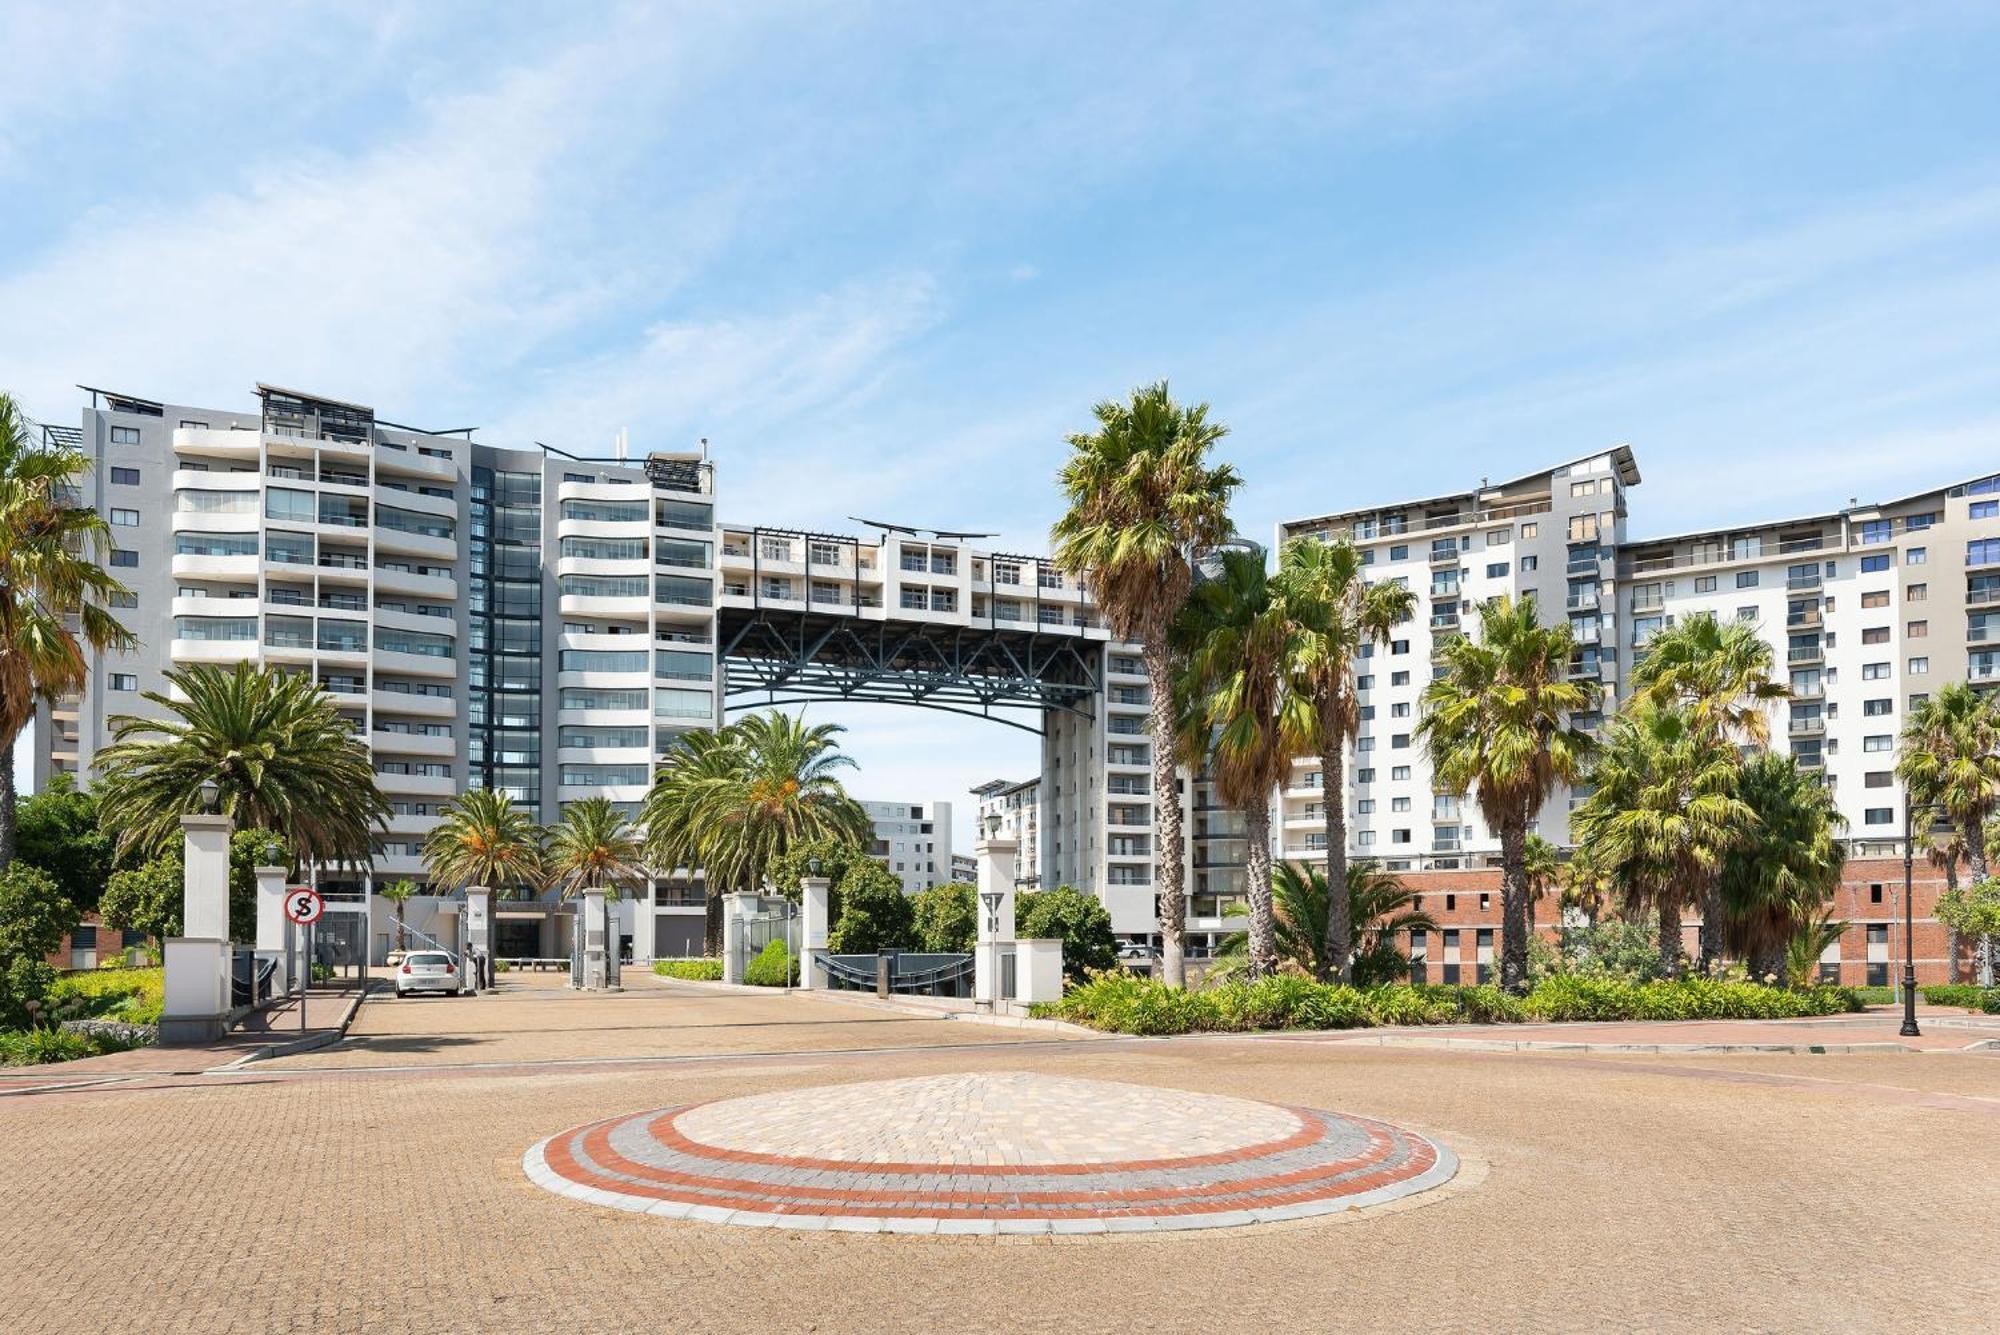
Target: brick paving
pixel 1597 1192
pixel 1012 1152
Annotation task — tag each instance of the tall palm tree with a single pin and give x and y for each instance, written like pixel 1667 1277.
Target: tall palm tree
pixel 399 893
pixel 593 847
pixel 1144 501
pixel 1948 760
pixel 1541 863
pixel 1786 867
pixel 731 803
pixel 279 753
pixel 1335 614
pixel 1809 941
pixel 1236 716
pixel 1384 911
pixel 484 840
pixel 49 546
pixel 1496 722
pixel 1720 672
pixel 1662 813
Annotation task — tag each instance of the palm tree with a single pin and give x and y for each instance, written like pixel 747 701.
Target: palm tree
pixel 1236 715
pixel 1786 868
pixel 1334 614
pixel 1144 501
pixel 731 803
pixel 1662 813
pixel 484 840
pixel 277 750
pixel 1721 673
pixel 399 893
pixel 1496 721
pixel 1384 910
pixel 48 576
pixel 1810 940
pixel 1945 854
pixel 1541 863
pixel 1948 760
pixel 593 847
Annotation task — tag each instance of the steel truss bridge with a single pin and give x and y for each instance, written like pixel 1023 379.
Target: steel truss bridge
pixel 784 656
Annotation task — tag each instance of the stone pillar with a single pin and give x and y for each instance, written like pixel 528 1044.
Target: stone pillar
pixel 1038 971
pixel 272 925
pixel 995 917
pixel 815 895
pixel 735 908
pixel 196 1008
pixel 595 925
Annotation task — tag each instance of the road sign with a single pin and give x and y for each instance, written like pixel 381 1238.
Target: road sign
pixel 303 906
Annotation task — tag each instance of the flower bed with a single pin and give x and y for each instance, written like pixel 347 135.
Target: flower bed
pixel 1126 1004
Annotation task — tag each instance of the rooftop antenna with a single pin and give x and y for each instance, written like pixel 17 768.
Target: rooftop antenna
pixel 622 443
pixel 704 448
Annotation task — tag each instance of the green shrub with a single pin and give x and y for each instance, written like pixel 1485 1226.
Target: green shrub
pixel 873 914
pixel 1396 1004
pixel 134 996
pixel 773 967
pixel 1966 995
pixel 947 918
pixel 1990 1002
pixel 1068 915
pixel 698 971
pixel 42 1045
pixel 1875 996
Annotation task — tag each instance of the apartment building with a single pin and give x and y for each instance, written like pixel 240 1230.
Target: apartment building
pixel 1551 535
pixel 913 840
pixel 1012 809
pixel 518 619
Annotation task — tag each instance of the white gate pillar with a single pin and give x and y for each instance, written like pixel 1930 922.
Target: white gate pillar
pixel 734 909
pixel 995 916
pixel 196 1006
pixel 815 892
pixel 595 926
pixel 272 925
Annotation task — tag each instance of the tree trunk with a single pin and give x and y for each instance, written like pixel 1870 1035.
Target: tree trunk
pixel 1336 957
pixel 711 925
pixel 1257 872
pixel 1711 926
pixel 1169 862
pixel 7 811
pixel 1670 933
pixel 1952 943
pixel 1514 905
pixel 1975 847
pixel 1769 963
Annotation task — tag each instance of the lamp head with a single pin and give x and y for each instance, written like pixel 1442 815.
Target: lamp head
pixel 210 792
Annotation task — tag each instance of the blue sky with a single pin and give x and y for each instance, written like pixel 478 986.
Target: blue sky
pixel 884 256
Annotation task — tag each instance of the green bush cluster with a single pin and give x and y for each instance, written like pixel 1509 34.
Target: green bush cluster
pixel 773 967
pixel 1125 1003
pixel 134 996
pixel 1969 996
pixel 695 971
pixel 43 1045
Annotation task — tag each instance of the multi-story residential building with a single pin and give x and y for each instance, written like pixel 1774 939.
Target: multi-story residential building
pixel 913 840
pixel 1012 809
pixel 1551 535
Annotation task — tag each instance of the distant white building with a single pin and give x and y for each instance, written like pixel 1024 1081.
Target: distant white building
pixel 964 868
pixel 1012 810
pixel 912 840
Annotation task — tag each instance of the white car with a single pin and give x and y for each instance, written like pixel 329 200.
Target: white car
pixel 428 971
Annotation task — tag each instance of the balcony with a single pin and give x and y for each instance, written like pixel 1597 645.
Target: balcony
pixel 1444 555
pixel 1981 597
pixel 1445 621
pixel 1811 725
pixel 1813 691
pixel 1584 669
pixel 1806 653
pixel 1441 646
pixel 1582 602
pixel 1812 760
pixel 1804 620
pixel 1796 582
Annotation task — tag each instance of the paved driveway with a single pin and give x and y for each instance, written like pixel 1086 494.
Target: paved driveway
pixel 1600 1192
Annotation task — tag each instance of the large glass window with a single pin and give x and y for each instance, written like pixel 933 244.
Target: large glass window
pixel 343 636
pixel 684 592
pixel 605 549
pixel 215 544
pixel 216 502
pixel 581 697
pixel 300 507
pixel 684 515
pixel 215 628
pixel 414 642
pixel 605 586
pixel 605 512
pixel 412 521
pixel 678 703
pixel 679 665
pixel 604 660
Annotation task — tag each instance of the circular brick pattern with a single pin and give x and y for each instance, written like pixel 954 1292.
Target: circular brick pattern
pixel 1005 1153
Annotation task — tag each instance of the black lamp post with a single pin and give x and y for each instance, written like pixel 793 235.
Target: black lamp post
pixel 1909 1029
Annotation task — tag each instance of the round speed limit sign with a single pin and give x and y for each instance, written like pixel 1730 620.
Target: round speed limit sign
pixel 303 906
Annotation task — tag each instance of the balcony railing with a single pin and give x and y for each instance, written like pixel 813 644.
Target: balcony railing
pixel 1803 582
pixel 1809 726
pixel 1806 653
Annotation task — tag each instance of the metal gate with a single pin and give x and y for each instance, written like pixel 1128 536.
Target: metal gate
pixel 760 930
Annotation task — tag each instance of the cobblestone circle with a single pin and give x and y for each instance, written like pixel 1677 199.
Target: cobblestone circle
pixel 987 1153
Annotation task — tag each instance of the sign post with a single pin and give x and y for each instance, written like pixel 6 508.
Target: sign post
pixel 305 908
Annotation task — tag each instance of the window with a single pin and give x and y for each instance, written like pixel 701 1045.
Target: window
pixel 1582 528
pixel 1364 743
pixel 1399 836
pixel 1917 556
pixel 1917 593
pixel 1878 816
pixel 124 600
pixel 124 435
pixel 1916 630
pixel 1983 552
pixel 1399 710
pixel 1582 488
pixel 1878 778
pixel 1880 741
pixel 125 477
pixel 1365 807
pixel 1530 563
pixel 1875 564
pixel 1746 614
pixel 1983 510
pixel 1365 682
pixel 1874 634
pixel 1399 679
pixel 1401 552
pixel 1399 804
pixel 1399 741
pixel 124 518
pixel 1876 708
pixel 1879 598
pixel 1399 646
pixel 1365 838
pixel 1919 666
pixel 124 681
pixel 122 558
pixel 1496 570
pixel 1746 579
pixel 1875 893
pixel 1704 584
pixel 1399 773
pixel 1363 775
pixel 1530 530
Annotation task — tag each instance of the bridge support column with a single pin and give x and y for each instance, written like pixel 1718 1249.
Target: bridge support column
pixel 993 942
pixel 815 895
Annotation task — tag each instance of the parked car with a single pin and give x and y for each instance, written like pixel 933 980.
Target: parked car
pixel 428 971
pixel 1136 952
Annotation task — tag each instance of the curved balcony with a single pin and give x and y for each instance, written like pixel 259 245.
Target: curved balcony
pixel 189 479
pixel 414 665
pixel 629 718
pixel 412 744
pixel 619 792
pixel 604 755
pixel 632 608
pixel 408 463
pixel 416 706
pixel 587 565
pixel 414 544
pixel 630 489
pixel 213 651
pixel 215 567
pixel 441 587
pixel 444 507
pixel 217 440
pixel 430 625
pixel 213 521
pixel 417 785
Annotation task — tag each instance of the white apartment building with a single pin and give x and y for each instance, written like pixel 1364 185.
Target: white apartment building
pixel 913 840
pixel 1012 809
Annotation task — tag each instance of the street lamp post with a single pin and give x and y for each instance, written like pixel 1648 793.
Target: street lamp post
pixel 1909 1029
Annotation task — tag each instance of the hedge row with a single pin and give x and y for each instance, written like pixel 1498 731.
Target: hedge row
pixel 1970 996
pixel 1124 1003
pixel 698 971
